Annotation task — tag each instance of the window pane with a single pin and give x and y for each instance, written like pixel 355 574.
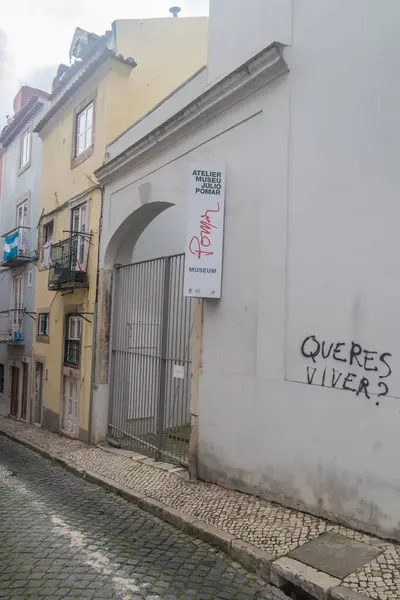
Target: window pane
pixel 83 218
pixel 71 333
pixel 25 147
pixel 28 145
pixel 75 220
pixel 89 115
pixel 81 123
pixel 80 146
pixel 88 140
pixel 43 324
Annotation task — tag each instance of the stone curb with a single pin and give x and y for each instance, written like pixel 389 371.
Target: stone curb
pixel 318 584
pixel 344 593
pixel 278 572
pixel 313 582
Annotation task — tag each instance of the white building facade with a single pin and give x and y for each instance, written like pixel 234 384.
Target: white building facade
pixel 298 395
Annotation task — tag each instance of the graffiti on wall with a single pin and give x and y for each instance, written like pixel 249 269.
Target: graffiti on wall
pixel 356 369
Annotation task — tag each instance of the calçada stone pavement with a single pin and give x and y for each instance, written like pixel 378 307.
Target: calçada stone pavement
pixel 225 517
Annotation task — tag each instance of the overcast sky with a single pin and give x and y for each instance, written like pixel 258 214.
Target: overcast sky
pixel 35 35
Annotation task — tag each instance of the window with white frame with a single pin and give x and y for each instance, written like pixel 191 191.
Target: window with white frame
pixel 22 220
pixel 73 335
pixel 17 300
pixel 74 328
pixel 48 229
pixel 78 229
pixel 25 148
pixel 22 214
pixel 43 324
pixel 84 129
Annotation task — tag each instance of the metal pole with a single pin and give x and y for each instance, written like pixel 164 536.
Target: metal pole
pixel 112 357
pixel 92 372
pixel 197 343
pixel 163 358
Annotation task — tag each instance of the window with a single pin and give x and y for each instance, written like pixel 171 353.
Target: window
pixel 17 302
pixel 73 340
pixel 74 327
pixel 84 129
pixel 25 148
pixel 48 229
pixel 43 324
pixel 1 378
pixel 78 226
pixel 22 214
pixel 17 293
pixel 30 278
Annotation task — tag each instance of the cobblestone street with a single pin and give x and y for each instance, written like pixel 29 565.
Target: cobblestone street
pixel 61 537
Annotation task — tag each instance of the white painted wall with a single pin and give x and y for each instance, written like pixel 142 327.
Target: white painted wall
pixel 326 450
pixel 311 247
pixel 239 29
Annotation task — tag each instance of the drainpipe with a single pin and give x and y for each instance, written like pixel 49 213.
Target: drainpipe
pixel 92 371
pixel 197 346
pixel 94 331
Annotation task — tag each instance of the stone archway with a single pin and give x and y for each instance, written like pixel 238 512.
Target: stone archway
pixel 122 243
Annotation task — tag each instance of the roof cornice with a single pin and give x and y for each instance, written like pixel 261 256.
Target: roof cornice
pixel 34 104
pixel 256 72
pixel 82 76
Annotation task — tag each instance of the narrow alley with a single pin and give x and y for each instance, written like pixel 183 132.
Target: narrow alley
pixel 62 537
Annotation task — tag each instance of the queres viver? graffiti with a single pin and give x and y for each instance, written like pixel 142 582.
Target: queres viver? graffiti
pixel 374 366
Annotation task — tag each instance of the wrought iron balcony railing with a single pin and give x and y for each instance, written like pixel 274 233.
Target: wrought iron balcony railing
pixel 68 262
pixel 72 353
pixel 11 326
pixel 15 247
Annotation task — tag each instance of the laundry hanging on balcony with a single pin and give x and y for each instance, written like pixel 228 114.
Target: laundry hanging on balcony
pixel 46 258
pixel 11 245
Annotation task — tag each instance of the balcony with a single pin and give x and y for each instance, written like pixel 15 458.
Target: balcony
pixel 68 263
pixel 11 326
pixel 15 251
pixel 72 353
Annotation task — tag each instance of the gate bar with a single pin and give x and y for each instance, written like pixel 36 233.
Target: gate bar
pixel 163 366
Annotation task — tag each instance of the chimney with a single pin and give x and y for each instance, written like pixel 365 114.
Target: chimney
pixel 24 94
pixel 175 10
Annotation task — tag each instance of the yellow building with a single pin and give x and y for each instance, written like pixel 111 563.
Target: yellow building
pixel 112 81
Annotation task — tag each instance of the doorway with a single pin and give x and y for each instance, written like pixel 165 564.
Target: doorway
pixel 14 371
pixel 70 405
pixel 151 359
pixel 25 380
pixel 37 415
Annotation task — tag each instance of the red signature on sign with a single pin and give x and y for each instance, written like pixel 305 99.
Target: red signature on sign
pixel 198 243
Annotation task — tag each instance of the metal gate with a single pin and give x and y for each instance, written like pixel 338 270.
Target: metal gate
pixel 151 359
